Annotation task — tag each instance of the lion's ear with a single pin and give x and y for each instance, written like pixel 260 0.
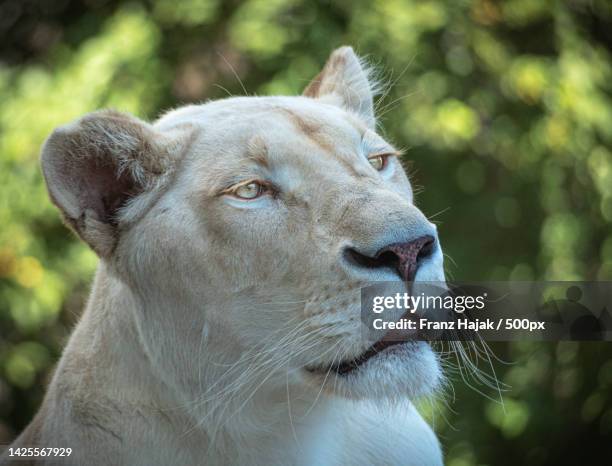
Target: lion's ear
pixel 94 166
pixel 345 81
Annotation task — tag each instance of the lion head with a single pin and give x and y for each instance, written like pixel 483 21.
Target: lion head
pixel 240 232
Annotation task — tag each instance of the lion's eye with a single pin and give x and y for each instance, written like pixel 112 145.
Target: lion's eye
pixel 379 161
pixel 250 190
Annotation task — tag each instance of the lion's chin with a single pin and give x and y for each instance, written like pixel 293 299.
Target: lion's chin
pixel 406 370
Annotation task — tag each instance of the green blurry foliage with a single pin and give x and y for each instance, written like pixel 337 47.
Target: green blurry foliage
pixel 505 109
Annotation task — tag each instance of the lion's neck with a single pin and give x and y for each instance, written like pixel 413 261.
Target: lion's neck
pixel 107 359
pixel 106 344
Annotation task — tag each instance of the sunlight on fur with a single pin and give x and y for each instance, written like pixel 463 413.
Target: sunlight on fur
pixel 224 302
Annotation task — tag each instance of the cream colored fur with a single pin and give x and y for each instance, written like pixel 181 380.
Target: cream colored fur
pixel 206 309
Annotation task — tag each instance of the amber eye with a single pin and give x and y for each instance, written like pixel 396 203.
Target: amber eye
pixel 378 161
pixel 251 190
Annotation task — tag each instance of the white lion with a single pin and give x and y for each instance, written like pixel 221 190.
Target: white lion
pixel 223 326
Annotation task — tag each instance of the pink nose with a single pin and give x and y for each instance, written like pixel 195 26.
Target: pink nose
pixel 408 256
pixel 403 257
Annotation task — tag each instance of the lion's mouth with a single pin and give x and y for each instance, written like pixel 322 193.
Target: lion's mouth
pixel 348 366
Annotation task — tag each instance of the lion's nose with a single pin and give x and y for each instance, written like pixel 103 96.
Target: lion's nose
pixel 403 257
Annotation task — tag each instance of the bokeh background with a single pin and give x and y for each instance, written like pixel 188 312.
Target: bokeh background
pixel 506 111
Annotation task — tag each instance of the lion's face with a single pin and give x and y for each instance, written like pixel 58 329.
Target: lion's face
pixel 246 246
